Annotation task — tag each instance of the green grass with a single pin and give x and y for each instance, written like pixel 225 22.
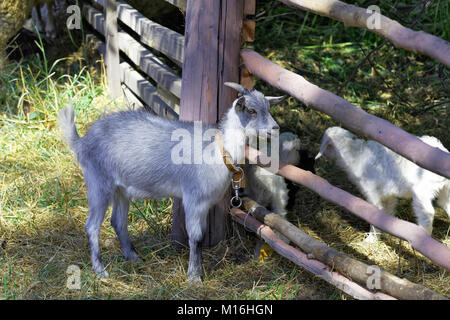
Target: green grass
pixel 42 194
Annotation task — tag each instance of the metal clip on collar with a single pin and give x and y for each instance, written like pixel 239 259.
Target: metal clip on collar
pixel 236 184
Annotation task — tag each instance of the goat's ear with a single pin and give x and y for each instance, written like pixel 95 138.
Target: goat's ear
pixel 239 104
pixel 236 86
pixel 325 143
pixel 275 100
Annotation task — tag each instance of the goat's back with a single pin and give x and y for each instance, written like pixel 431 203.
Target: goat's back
pixel 134 149
pixel 374 166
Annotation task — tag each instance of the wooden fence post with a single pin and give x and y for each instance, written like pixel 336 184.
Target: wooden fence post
pixel 211 57
pixel 112 49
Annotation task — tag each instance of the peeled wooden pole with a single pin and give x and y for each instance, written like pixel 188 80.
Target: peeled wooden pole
pixel 402 37
pixel 352 268
pixel 353 118
pixel 415 235
pixel 211 57
pixel 296 256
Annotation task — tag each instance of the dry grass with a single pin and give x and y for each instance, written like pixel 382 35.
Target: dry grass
pixel 43 211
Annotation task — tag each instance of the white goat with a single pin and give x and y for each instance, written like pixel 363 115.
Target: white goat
pixel 267 188
pixel 383 176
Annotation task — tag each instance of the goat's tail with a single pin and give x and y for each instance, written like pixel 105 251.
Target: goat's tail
pixel 66 121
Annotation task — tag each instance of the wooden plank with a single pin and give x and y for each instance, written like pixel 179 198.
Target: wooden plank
pixel 171 100
pixel 229 49
pixel 150 64
pixel 249 7
pixel 95 18
pixel 112 49
pixel 136 82
pixel 145 90
pixel 213 30
pixel 182 4
pixel 248 31
pixel 133 101
pixel 228 71
pixel 200 79
pixel 166 41
pixel 100 3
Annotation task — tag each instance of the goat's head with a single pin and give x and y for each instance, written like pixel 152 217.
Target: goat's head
pixel 252 110
pixel 331 138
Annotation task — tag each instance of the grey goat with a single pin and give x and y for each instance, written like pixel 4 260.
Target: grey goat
pixel 129 155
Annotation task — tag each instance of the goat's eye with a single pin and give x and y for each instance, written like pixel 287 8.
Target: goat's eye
pixel 251 111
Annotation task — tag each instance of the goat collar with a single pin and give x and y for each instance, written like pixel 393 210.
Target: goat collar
pixel 238 172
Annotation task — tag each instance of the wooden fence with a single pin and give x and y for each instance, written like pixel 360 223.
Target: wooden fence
pixel 144 64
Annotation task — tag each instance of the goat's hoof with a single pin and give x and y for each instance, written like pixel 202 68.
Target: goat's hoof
pixel 102 274
pixel 195 280
pixel 134 257
pixel 50 34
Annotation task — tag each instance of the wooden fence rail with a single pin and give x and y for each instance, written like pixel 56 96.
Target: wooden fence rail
pixel 354 269
pixel 437 252
pixel 301 259
pixel 402 37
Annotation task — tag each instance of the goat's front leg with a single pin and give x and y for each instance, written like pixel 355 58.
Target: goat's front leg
pixel 372 237
pixel 196 214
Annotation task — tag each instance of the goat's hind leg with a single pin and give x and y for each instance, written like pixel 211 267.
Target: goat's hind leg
pixel 424 210
pixel 98 202
pixel 119 221
pixel 387 205
pixel 443 199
